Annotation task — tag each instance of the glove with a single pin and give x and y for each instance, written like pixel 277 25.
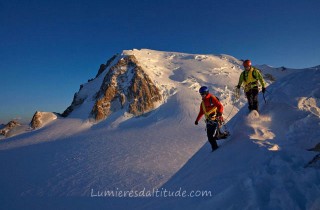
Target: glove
pixel 238 86
pixel 196 122
pixel 219 116
pixel 263 90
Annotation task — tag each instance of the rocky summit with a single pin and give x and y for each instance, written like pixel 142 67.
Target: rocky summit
pixel 125 86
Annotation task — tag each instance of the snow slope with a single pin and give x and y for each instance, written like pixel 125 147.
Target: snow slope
pixel 73 156
pixel 264 165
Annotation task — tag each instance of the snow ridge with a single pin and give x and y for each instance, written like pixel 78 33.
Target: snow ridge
pixel 266 163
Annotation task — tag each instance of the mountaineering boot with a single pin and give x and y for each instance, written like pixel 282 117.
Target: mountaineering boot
pixel 214 148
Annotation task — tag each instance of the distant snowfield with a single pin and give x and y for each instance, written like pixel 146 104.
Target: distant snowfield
pixel 260 166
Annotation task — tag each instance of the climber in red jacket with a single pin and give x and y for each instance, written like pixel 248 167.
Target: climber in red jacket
pixel 212 109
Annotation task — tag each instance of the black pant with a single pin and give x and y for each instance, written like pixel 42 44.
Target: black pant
pixel 252 96
pixel 212 133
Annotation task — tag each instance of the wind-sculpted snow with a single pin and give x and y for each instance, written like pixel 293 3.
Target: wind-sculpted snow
pixel 261 131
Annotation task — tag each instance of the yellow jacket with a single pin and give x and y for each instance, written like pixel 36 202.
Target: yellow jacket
pixel 250 79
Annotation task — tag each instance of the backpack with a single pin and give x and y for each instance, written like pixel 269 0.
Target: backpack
pixel 254 74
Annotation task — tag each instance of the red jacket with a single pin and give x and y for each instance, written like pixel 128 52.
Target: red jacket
pixel 215 103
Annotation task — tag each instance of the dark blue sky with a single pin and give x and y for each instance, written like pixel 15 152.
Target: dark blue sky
pixel 48 48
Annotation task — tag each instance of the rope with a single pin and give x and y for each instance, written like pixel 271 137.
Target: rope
pixel 236 96
pixel 226 119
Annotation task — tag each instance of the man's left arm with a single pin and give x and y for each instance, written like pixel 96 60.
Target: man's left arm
pixel 260 78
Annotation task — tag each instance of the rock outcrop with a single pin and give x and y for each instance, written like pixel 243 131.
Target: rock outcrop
pixel 40 119
pixel 126 86
pixel 8 127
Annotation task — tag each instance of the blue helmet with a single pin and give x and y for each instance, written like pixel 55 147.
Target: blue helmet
pixel 204 90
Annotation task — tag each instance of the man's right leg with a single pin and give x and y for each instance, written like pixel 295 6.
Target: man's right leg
pixel 212 133
pixel 255 102
pixel 250 100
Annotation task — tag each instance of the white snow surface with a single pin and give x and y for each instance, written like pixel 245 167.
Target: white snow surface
pixel 261 166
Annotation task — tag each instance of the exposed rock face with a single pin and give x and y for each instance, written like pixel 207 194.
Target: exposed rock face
pixel 35 122
pixel 124 85
pixel 9 126
pixel 75 103
pixel 12 124
pixel 39 119
pixel 77 99
pixel 127 86
pixel 142 93
pixel 105 66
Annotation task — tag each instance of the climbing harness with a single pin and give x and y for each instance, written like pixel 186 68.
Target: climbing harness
pixel 211 114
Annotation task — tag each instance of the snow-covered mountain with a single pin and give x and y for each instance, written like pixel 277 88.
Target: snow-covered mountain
pixel 132 128
pixel 139 81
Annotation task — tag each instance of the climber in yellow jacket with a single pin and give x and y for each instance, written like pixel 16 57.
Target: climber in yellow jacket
pixel 251 77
